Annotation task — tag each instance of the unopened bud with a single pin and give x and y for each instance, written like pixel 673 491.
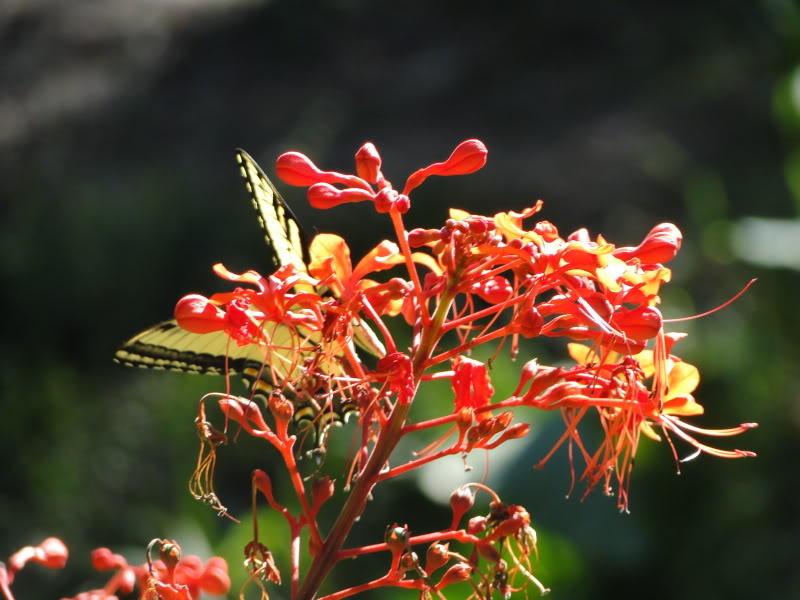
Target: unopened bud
pixel 321 491
pixel 396 538
pixel 408 562
pixel 421 237
pixel 196 313
pixel 461 500
pixel 215 579
pixel 455 574
pixel 324 195
pixel 436 557
pixel 640 323
pixel 477 525
pixel 297 169
pixel 170 553
pixel 368 163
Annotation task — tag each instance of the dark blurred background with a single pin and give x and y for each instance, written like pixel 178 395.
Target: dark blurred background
pixel 118 191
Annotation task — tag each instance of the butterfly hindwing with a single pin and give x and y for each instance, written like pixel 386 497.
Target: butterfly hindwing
pixel 167 346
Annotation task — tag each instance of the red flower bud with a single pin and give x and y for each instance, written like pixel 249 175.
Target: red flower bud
pixel 52 553
pixel 324 195
pixel 321 490
pixel 396 538
pixel 528 323
pixel 421 237
pixel 102 559
pixel 368 163
pixel 461 500
pixel 516 431
pixel 468 157
pixel 477 525
pixel 488 551
pixel 215 579
pixel 196 313
pixel 495 290
pixel 297 169
pixel 640 323
pixel 436 557
pixel 455 574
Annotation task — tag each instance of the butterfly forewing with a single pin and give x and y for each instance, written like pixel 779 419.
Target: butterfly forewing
pixel 281 229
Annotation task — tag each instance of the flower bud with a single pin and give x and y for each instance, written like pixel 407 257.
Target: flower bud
pixel 436 557
pixel 396 538
pixel 477 525
pixel 461 500
pixel 215 579
pixel 455 574
pixel 421 237
pixel 494 290
pixel 281 408
pixel 52 553
pixel 488 551
pixel 170 554
pixel 528 323
pixel 408 562
pixel 321 490
pixel 640 323
pixel 368 163
pixel 468 157
pixel 196 314
pixel 102 559
pixel 324 195
pixel 297 169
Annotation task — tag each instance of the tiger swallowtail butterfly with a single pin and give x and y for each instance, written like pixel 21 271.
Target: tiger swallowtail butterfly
pixel 167 346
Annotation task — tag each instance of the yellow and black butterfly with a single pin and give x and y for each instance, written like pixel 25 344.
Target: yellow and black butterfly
pixel 167 346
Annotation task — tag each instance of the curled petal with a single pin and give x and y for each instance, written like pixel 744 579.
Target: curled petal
pixel 384 256
pixel 660 245
pixel 471 383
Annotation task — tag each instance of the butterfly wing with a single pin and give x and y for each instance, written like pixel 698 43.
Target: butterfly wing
pixel 282 232
pixel 168 346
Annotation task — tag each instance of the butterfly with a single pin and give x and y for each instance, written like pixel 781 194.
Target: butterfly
pixel 167 346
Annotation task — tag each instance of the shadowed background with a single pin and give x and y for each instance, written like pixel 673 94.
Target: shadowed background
pixel 118 191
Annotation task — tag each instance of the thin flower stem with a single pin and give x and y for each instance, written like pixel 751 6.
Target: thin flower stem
pixel 308 516
pixel 456 535
pixel 329 552
pixel 400 233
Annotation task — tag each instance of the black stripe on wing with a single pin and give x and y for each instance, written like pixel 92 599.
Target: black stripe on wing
pixel 167 346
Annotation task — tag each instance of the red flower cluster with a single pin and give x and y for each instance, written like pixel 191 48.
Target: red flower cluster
pixel 170 578
pixel 476 280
